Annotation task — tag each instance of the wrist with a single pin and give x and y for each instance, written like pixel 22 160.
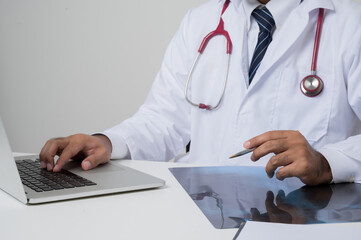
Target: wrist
pixel 326 173
pixel 105 141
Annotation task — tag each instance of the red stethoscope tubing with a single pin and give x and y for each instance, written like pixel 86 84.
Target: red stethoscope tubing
pixel 219 31
pixel 317 39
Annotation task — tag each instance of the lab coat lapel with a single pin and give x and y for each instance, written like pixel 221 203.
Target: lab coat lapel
pixel 288 35
pixel 235 23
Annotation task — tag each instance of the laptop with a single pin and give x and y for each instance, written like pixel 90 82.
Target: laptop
pixel 24 180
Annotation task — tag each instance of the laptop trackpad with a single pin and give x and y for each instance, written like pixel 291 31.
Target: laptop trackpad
pixel 109 175
pixel 75 167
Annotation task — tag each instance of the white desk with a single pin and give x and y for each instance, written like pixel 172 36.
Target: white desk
pixel 165 213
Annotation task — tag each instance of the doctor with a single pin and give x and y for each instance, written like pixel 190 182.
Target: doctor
pixel 265 105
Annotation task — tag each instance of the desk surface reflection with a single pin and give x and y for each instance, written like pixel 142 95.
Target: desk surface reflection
pixel 228 196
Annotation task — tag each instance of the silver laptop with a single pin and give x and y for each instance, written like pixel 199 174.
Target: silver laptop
pixel 25 181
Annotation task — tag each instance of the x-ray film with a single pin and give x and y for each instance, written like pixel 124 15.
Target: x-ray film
pixel 230 195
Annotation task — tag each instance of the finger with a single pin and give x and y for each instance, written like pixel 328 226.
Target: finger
pixel 55 150
pixel 271 146
pixel 48 153
pixel 69 151
pixel 264 137
pixel 270 206
pixel 291 170
pixel 274 212
pixel 43 154
pixel 283 204
pixel 96 157
pixel 256 215
pixel 280 198
pixel 279 160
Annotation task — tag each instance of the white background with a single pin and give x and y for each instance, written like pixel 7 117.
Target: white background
pixel 69 66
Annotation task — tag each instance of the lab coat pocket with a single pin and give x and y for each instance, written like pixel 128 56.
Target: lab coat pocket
pixel 295 111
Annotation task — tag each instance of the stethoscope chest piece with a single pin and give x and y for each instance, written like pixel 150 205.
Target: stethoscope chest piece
pixel 311 86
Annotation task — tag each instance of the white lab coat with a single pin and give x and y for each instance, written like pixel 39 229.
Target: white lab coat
pixel 330 121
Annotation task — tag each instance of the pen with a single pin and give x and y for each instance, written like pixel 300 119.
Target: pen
pixel 242 152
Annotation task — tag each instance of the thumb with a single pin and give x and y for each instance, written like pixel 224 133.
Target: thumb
pixel 89 162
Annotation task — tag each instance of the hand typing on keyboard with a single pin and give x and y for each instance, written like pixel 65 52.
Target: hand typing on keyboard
pixel 41 180
pixel 92 150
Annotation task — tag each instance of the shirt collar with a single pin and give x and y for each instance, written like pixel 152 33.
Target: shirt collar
pixel 249 6
pixel 279 9
pixel 234 2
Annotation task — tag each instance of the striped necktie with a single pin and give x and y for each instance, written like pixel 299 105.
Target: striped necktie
pixel 266 23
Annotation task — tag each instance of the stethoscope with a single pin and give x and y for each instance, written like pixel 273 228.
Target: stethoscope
pixel 311 86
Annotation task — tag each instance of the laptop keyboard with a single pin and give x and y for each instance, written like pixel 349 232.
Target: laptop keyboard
pixel 41 180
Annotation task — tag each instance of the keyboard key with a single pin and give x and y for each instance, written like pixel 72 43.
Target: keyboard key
pixel 41 180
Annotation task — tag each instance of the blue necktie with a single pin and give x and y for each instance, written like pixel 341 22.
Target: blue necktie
pixel 266 23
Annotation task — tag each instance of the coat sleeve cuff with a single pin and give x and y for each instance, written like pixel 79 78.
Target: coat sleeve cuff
pixel 120 148
pixel 343 167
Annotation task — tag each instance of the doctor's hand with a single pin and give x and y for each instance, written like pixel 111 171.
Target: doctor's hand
pixel 92 150
pixel 293 156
